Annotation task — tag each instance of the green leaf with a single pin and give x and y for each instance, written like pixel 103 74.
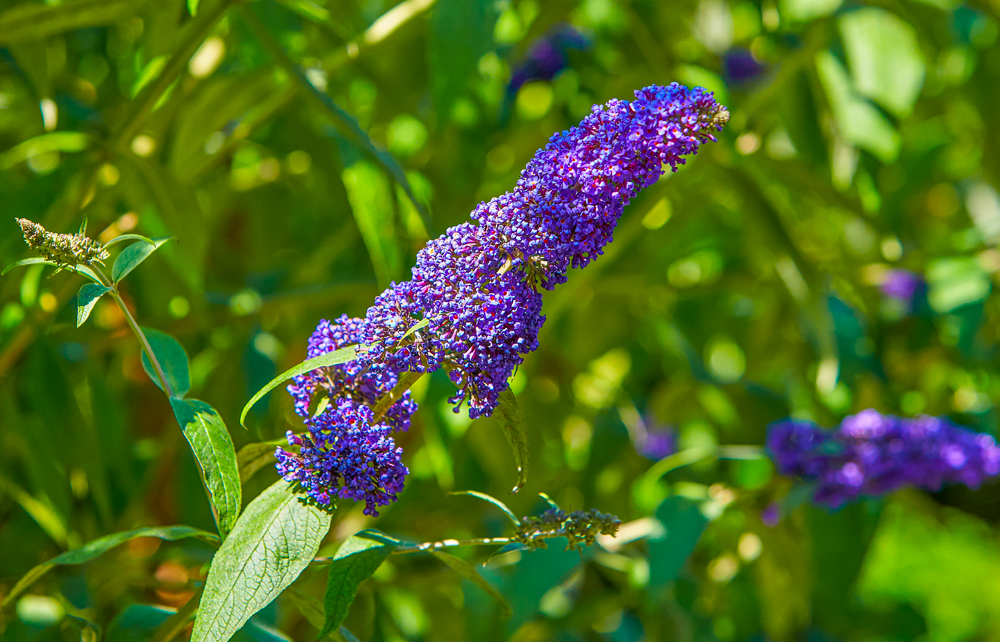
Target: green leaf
pixel 98 547
pixel 308 10
pixel 51 142
pixel 420 325
pixel 127 237
pixel 804 10
pixel 858 121
pixel 461 31
pixel 213 448
pixel 512 423
pixel 312 609
pixel 193 7
pixel 253 457
pixel 355 561
pixel 36 260
pixel 493 500
pixel 137 623
pixel 322 361
pixel 346 121
pixel 29 21
pixel 469 572
pixel 371 203
pixel 272 543
pixel 133 255
pixel 885 58
pixel 173 359
pixel 87 298
pixel 683 525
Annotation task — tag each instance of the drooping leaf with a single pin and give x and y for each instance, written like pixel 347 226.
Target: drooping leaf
pixel 512 423
pixel 132 256
pixel 128 237
pixel 28 21
pixel 272 543
pixel 492 500
pixel 469 572
pixel 683 525
pixel 173 359
pixel 342 355
pixel 98 547
pixel 87 298
pixel 80 269
pixel 355 561
pixel 213 448
pixel 50 142
pixel 253 457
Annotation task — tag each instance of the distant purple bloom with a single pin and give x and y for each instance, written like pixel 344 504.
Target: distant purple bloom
pixel 739 66
pixel 547 56
pixel 872 454
pixel 473 305
pixel 902 285
pixel 655 441
pixel 771 515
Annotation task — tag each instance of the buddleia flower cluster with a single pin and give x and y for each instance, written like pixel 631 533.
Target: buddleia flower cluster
pixel 473 304
pixel 871 454
pixel 580 528
pixel 65 250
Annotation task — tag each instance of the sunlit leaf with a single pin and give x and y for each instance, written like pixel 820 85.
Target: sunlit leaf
pixel 213 448
pixel 51 142
pixel 273 541
pixel 342 355
pixel 492 500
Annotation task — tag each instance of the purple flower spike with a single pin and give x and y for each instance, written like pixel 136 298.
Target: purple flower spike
pixel 902 285
pixel 872 454
pixel 473 306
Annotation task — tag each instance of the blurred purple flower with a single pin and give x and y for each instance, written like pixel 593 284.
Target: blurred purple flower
pixel 654 441
pixel 739 67
pixel 547 56
pixel 902 285
pixel 771 515
pixel 872 454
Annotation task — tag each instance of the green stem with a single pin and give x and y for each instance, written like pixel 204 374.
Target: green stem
pixel 148 349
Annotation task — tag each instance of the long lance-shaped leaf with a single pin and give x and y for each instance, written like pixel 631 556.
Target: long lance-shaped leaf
pixel 272 543
pixel 216 455
pixel 31 21
pixel 79 269
pixel 350 125
pixel 51 142
pixel 469 572
pixel 322 361
pixel 512 423
pixel 172 358
pixel 492 500
pixel 133 255
pixel 355 561
pixel 98 547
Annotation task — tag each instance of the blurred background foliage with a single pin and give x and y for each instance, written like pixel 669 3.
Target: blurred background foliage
pixel 302 151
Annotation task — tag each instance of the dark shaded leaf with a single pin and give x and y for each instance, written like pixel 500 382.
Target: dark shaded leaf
pixel 683 524
pixel 469 572
pixel 355 561
pixel 27 21
pixel 86 299
pixel 253 457
pixel 512 423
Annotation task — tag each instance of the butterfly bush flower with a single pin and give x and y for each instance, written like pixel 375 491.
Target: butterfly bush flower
pixel 902 286
pixel 473 305
pixel 871 454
